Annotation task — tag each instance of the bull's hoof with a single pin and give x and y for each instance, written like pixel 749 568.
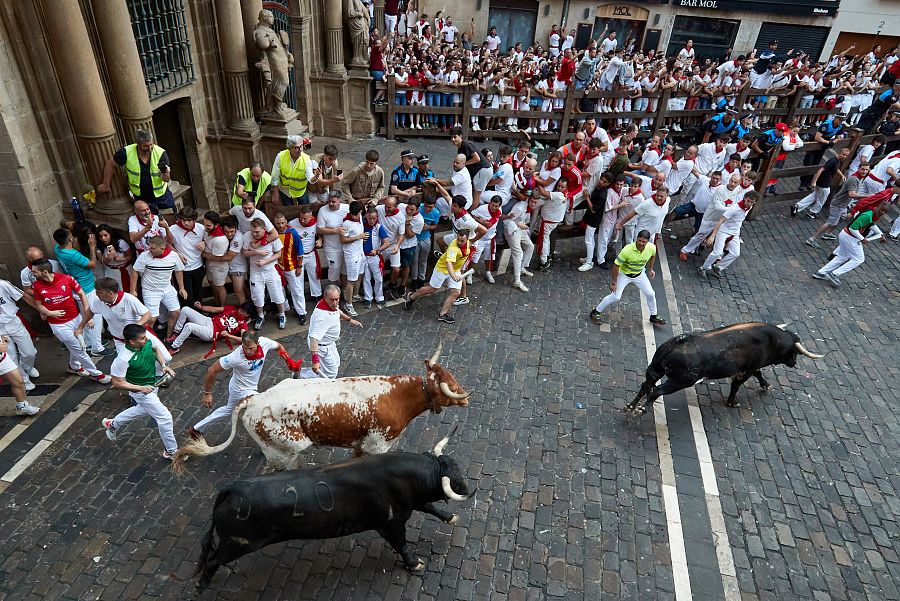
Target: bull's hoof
pixel 733 404
pixel 419 567
pixel 766 387
pixel 453 519
pixel 640 410
pixel 628 409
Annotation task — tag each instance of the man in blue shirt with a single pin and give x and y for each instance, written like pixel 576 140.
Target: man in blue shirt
pixel 431 215
pixel 723 123
pixel 82 269
pixel 885 101
pixel 830 130
pixel 424 172
pixel 404 177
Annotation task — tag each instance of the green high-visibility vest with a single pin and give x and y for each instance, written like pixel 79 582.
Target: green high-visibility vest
pixel 133 169
pixel 256 190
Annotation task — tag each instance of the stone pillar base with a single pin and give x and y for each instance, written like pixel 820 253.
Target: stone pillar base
pixel 333 101
pixel 359 91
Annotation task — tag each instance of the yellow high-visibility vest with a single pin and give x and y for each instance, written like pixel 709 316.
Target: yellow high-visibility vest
pixel 133 169
pixel 249 186
pixel 292 179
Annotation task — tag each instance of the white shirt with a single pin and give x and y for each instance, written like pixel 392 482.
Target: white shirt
pixel 880 170
pixel 554 41
pixel 484 214
pixel 156 272
pixel 612 145
pixel 155 230
pixel 717 205
pixel 245 372
pixel 216 245
pixel 554 209
pixel 27 277
pixel 185 243
pixel 567 43
pixel 651 156
pixel 517 215
pixel 679 173
pixel 307 235
pixel 329 218
pixel 504 187
pixel 244 221
pixel 546 174
pixel 651 215
pixel 416 224
pixel 461 185
pixel 119 367
pixel 731 149
pixel 704 194
pixel 270 249
pixel 449 33
pixel 238 263
pixel 493 42
pixel 324 326
pixel 394 224
pixel 126 311
pixel 9 294
pixel 608 45
pixel 353 250
pixel 734 218
pixel 613 69
pixel 708 159
pixel 865 153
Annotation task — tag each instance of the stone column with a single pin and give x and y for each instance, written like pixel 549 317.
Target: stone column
pixel 79 79
pixel 334 37
pixel 379 16
pixel 126 76
pixel 250 15
pixel 233 49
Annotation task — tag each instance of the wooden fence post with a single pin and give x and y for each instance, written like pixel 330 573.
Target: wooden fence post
pixel 661 109
pixel 391 98
pixel 793 106
pixel 763 176
pixel 567 114
pixel 466 108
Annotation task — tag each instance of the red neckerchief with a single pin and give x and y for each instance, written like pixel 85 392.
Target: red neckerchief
pixel 462 213
pixel 324 306
pixel 743 205
pixel 655 149
pixel 141 221
pixel 165 252
pixel 292 364
pixel 119 296
pixel 217 231
pixel 467 250
pixel 495 216
pixel 659 204
pixel 181 225
pixel 259 354
pixel 396 210
pixel 349 217
pixel 670 158
pixel 311 223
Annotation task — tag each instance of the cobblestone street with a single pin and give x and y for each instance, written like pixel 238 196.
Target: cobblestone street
pixel 575 500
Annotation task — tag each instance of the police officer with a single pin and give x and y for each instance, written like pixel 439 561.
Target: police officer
pixel 404 177
pixel 828 132
pixel 147 168
pixel 723 123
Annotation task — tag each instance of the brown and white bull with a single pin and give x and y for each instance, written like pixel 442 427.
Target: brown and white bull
pixel 365 413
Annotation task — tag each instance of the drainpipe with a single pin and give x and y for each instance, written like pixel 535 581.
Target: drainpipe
pixel 565 15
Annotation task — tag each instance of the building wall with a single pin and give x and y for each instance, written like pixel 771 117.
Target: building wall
pixel 865 17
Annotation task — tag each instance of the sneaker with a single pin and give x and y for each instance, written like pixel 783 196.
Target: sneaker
pixel 282 322
pixel 812 215
pixel 195 434
pixel 258 322
pixel 682 256
pixel 407 302
pixel 446 318
pixel 302 319
pixel 367 304
pixel 78 372
pixel 835 281
pixel 101 379
pixel 394 292
pixel 544 267
pixel 794 210
pixel 716 271
pixel 704 273
pixel 174 350
pixel 357 298
pixel 586 267
pixel 172 338
pixel 489 277
pixel 462 300
pixel 596 317
pixel 812 242
pixel 829 236
pixel 108 426
pixel 350 310
pixel 819 276
pixel 103 352
pixel 34 373
pixel 518 285
pixel 604 265
pixel 657 320
pixel 527 273
pixel 26 408
pixel 169 454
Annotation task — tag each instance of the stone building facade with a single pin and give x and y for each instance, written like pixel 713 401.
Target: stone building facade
pixel 79 76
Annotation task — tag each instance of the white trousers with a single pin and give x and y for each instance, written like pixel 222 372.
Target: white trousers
pixel 21 349
pixel 721 244
pixel 262 280
pixel 78 356
pixel 848 255
pixel 310 261
pixel 596 240
pixel 92 335
pixel 192 322
pixel 223 412
pixel 150 405
pixel 521 249
pixel 330 362
pixel 547 228
pixel 816 198
pixel 895 227
pixel 643 284
pixel 372 277
pixel 698 238
pixel 295 290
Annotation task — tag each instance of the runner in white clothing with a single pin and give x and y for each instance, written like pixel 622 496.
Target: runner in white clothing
pixel 246 363
pixel 328 224
pixel 727 236
pixel 263 253
pixel 155 267
pixel 17 352
pixel 324 332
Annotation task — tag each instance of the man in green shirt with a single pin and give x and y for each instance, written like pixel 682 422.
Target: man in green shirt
pixel 629 269
pixel 134 370
pixel 849 253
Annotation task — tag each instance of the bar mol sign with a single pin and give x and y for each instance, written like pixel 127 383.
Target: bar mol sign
pixel 700 3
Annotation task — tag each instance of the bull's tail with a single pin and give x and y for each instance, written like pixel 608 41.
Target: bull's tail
pixel 202 448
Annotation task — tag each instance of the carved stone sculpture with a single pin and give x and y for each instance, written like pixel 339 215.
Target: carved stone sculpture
pixel 358 24
pixel 274 64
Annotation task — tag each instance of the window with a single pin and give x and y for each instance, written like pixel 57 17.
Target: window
pixel 712 37
pixel 160 31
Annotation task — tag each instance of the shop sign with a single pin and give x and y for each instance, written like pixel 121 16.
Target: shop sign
pixel 795 7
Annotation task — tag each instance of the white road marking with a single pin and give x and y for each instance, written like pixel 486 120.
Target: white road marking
pixel 503 263
pixel 707 472
pixel 44 402
pixel 31 456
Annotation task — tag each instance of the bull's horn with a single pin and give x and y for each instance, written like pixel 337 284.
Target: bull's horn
pixel 436 354
pixel 439 447
pixel 781 326
pixel 802 350
pixel 448 491
pixel 450 394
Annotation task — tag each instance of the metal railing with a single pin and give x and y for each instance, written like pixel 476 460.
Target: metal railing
pixel 160 31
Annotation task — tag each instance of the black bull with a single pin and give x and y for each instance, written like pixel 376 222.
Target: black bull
pixel 378 492
pixel 738 351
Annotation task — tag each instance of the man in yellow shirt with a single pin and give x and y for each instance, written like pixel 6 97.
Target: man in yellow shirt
pixel 448 270
pixel 629 269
